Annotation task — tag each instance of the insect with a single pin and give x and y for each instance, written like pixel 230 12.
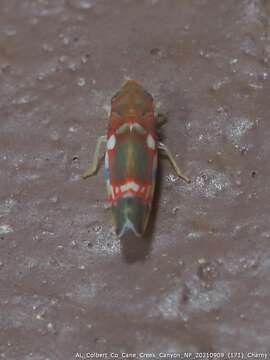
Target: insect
pixel 131 158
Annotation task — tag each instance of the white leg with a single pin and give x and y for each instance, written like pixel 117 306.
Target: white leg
pixel 163 147
pixel 94 165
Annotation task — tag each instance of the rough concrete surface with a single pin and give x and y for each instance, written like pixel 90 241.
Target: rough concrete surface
pixel 201 281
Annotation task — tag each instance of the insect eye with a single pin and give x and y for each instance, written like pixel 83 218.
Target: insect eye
pixel 146 94
pixel 115 96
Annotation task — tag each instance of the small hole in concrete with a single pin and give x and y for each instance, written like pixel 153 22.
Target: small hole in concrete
pixel 253 174
pixel 155 51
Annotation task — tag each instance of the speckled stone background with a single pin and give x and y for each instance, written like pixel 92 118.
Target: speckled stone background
pixel 201 283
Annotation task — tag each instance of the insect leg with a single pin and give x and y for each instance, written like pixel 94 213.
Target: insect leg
pixel 163 147
pixel 161 119
pixel 94 165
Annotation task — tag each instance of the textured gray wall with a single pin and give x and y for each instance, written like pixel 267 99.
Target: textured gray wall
pixel 201 282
